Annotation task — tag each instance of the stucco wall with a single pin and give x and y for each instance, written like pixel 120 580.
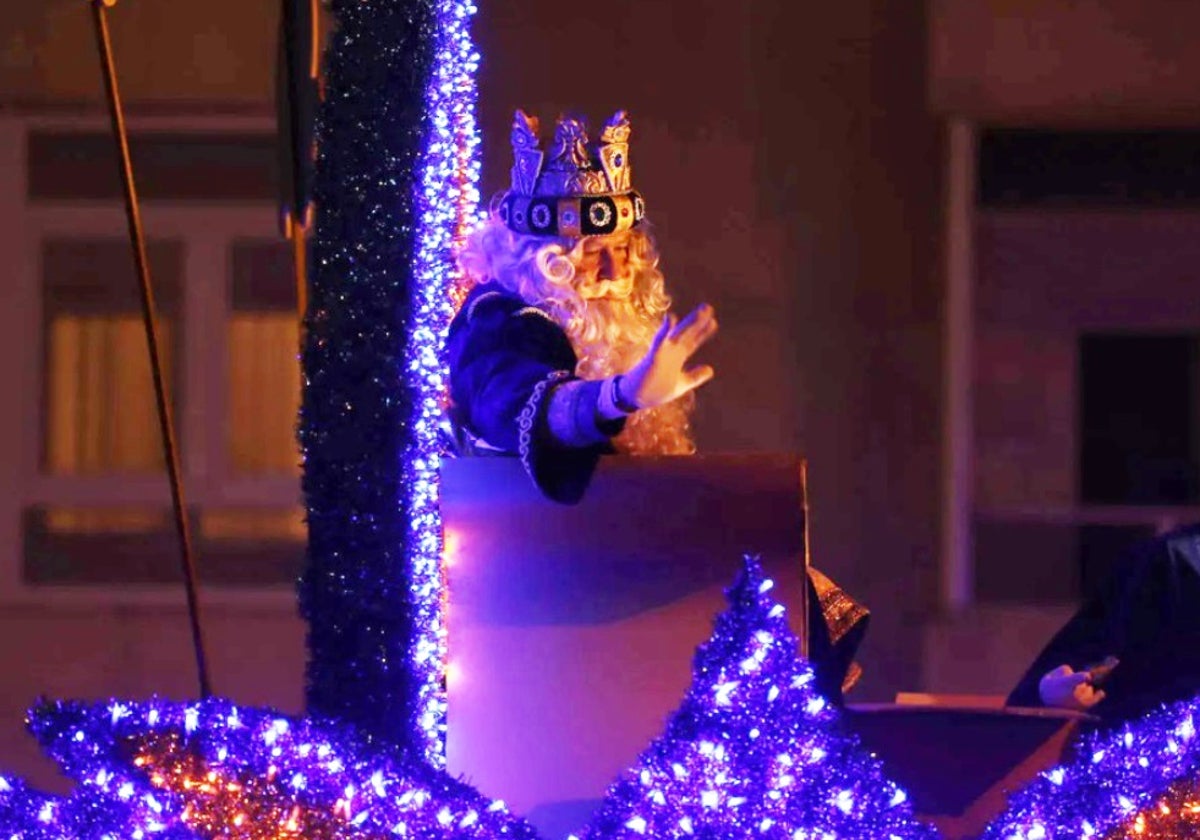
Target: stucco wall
pixel 1023 62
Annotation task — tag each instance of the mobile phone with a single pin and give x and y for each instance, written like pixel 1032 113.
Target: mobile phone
pixel 1101 671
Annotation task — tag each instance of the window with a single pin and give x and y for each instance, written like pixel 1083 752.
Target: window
pixel 1085 331
pixel 1138 432
pixel 98 412
pixel 1023 167
pixel 99 409
pixel 262 378
pixel 263 374
pixel 95 507
pixel 1138 435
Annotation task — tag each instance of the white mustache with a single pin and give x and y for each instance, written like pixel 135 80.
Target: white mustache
pixel 598 287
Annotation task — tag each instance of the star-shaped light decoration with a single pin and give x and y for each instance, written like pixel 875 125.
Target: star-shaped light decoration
pixel 1175 816
pixel 754 751
pixel 214 769
pixel 1116 778
pixel 89 813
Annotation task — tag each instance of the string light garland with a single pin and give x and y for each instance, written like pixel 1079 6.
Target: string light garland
pixel 447 199
pixel 214 769
pixel 89 813
pixel 1175 816
pixel 1114 777
pixel 394 186
pixel 753 750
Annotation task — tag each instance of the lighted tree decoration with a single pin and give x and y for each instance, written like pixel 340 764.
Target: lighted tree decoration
pixel 1175 816
pixel 394 184
pixel 90 813
pixel 754 751
pixel 1115 778
pixel 212 769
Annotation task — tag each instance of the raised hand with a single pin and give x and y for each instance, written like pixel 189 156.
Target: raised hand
pixel 1065 688
pixel 662 375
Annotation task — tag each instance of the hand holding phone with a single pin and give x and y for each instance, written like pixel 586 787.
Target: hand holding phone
pixel 1099 673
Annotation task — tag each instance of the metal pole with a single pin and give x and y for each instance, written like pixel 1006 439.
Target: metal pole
pixel 149 319
pixel 958 366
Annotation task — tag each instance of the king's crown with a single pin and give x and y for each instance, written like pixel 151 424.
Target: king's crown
pixel 576 188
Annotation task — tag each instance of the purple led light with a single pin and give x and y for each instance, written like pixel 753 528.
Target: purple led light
pixel 447 199
pixel 1115 775
pixel 318 771
pixel 753 751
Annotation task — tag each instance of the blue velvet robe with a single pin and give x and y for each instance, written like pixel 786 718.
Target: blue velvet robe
pixel 505 356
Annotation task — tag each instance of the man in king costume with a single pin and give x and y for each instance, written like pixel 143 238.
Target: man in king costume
pixel 566 350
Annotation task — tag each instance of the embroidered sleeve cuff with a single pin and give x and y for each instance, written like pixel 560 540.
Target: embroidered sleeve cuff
pixel 576 415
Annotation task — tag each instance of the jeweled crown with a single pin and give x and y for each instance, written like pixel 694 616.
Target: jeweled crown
pixel 576 188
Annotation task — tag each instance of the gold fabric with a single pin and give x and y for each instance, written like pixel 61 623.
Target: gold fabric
pixel 845 618
pixel 841 611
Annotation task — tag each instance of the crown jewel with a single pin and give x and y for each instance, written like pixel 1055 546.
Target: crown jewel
pixel 575 188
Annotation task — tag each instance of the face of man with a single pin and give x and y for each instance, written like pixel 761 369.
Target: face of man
pixel 602 271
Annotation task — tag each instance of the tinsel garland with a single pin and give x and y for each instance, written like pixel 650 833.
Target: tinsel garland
pixel 94 811
pixel 1175 816
pixel 358 403
pixel 753 750
pixel 447 197
pixel 1114 777
pixel 213 769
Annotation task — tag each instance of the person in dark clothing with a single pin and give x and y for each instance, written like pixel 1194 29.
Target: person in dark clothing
pixel 1132 646
pixel 566 350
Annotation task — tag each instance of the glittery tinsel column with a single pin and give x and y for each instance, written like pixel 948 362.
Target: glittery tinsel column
pixel 357 405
